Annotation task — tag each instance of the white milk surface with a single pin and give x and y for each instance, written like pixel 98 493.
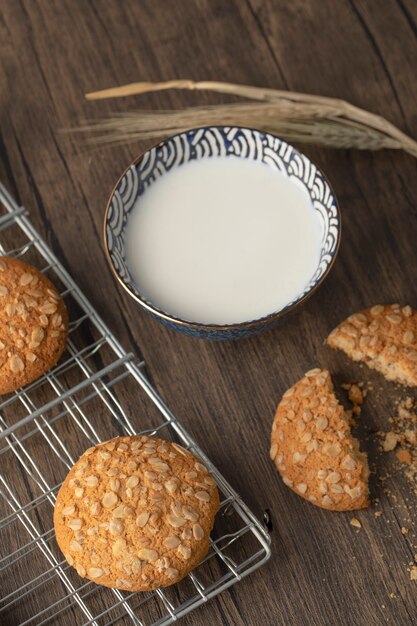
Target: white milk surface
pixel 223 240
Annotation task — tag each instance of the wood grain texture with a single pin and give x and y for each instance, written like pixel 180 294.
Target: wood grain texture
pixel 322 571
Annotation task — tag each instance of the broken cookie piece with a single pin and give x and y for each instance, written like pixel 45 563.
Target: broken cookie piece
pixel 384 337
pixel 313 448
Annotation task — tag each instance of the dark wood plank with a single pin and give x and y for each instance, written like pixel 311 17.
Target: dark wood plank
pixel 321 572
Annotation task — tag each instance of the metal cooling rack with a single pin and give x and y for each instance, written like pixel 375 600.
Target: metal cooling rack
pixel 53 420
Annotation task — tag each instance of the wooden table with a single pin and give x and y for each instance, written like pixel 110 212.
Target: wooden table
pixel 323 571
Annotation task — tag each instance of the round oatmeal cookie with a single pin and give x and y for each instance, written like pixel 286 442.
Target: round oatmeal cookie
pixel 33 324
pixel 384 337
pixel 135 513
pixel 313 448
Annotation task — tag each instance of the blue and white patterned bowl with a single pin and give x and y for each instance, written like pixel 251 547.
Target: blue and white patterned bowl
pixel 213 142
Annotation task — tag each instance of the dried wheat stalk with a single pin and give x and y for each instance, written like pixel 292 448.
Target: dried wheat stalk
pixel 294 116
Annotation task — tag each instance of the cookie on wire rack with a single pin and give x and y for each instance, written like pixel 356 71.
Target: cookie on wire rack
pixel 135 513
pixel 384 337
pixel 313 449
pixel 33 324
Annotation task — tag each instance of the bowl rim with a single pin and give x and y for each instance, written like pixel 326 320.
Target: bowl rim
pixel 270 317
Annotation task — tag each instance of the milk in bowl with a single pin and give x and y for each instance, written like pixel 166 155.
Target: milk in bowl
pixel 222 241
pixel 219 232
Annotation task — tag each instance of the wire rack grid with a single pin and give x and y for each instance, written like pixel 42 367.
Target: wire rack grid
pixel 97 391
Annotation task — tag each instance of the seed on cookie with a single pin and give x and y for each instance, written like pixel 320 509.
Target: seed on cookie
pixel 114 484
pixel 155 518
pixel 75 524
pixel 174 521
pixel 301 487
pixel 332 449
pixel 176 508
pixel 172 485
pixel 16 364
pixel 95 508
pixel 109 499
pixel 322 422
pixel 299 458
pixel 273 451
pixel 190 513
pixel 203 496
pixel 198 532
pixel 48 308
pixel 68 510
pixel 333 477
pixel 132 481
pixel 91 481
pixel 172 542
pixel 95 572
pixel 116 527
pixel 148 554
pixel 184 551
pixel 348 463
pixel 178 448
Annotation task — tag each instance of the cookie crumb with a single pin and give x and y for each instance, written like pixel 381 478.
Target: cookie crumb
pixel 404 435
pixel 378 513
pixel 404 456
pixel 355 522
pixel 404 531
pixel 413 573
pixel 355 394
pixel 390 441
pixel 410 436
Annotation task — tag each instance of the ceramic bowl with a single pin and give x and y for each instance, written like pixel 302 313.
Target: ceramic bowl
pixel 212 142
